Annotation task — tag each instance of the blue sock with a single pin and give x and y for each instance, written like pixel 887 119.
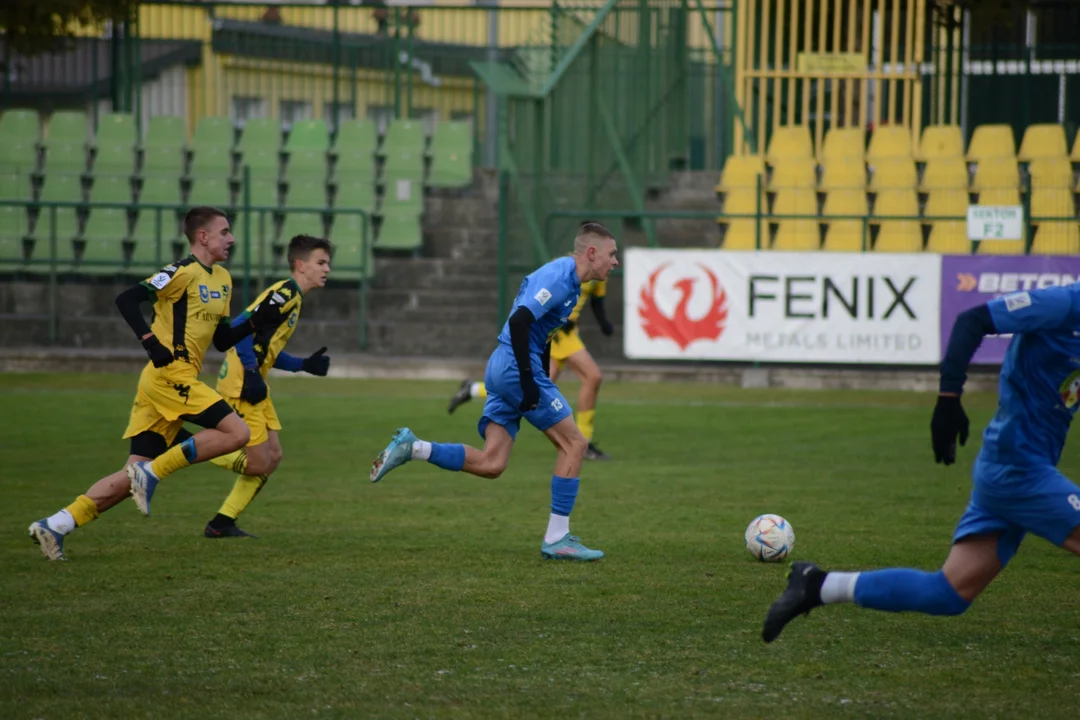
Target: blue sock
pixel 563 494
pixel 903 589
pixel 448 456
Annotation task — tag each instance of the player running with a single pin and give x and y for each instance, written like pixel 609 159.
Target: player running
pixel 1017 488
pixel 567 349
pixel 191 309
pixel 518 386
pixel 242 382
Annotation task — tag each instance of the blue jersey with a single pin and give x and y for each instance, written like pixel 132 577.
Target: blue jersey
pixel 1039 388
pixel 550 293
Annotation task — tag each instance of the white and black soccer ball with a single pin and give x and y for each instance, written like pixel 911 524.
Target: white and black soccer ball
pixel 770 538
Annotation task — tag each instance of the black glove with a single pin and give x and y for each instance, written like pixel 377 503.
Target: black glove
pixel 159 354
pixel 268 313
pixel 530 393
pixel 317 364
pixel 607 328
pixel 949 421
pixel 254 390
pixel 568 326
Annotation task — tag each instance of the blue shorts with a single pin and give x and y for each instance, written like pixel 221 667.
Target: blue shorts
pixel 503 384
pixel 1015 500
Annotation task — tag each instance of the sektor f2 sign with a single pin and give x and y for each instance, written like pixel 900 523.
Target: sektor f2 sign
pixel 783 307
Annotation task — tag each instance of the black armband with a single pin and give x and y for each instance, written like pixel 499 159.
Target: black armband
pixel 970 328
pixel 128 303
pixel 520 322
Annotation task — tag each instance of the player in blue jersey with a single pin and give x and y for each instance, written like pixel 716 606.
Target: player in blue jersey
pixel 518 386
pixel 1017 488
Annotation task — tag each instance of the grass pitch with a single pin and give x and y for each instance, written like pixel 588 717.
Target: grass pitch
pixel 425 595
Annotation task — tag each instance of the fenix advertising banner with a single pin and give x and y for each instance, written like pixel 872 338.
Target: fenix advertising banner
pixel 782 307
pixel 970 280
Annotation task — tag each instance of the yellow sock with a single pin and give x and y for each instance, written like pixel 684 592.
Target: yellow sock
pixel 244 491
pixel 176 457
pixel 235 461
pixel 585 423
pixel 83 510
pixel 478 390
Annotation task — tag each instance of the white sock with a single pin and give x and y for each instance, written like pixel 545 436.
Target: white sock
pixel 474 389
pixel 421 450
pixel 839 587
pixel 61 522
pixel 558 526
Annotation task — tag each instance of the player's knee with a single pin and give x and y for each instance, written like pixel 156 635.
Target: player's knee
pixel 274 460
pixel 594 377
pixel 238 437
pixel 575 445
pixel 492 468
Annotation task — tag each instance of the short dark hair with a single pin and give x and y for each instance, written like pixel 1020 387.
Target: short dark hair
pixel 198 218
pixel 594 228
pixel 301 247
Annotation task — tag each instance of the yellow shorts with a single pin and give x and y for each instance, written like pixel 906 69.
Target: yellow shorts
pixel 565 344
pixel 259 418
pixel 162 404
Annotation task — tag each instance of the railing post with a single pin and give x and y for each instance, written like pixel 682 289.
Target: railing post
pixel 245 295
pixel 54 318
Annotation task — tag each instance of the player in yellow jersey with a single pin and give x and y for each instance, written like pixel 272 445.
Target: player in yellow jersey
pixel 567 350
pixel 191 310
pixel 242 382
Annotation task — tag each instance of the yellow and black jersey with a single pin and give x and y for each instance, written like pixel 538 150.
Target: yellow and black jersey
pixel 190 300
pixel 592 288
pixel 266 344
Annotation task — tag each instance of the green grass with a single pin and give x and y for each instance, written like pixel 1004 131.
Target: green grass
pixel 425 595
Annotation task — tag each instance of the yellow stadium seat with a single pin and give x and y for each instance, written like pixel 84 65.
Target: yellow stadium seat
pixel 790 141
pixel 793 173
pixel 1000 196
pixel 845 234
pixel 952 204
pixel 1000 172
pixel 843 174
pixel 1051 173
pixel 1075 154
pixel 899 236
pixel 1045 140
pixel 1056 238
pixel 945 174
pixel 844 143
pixel 890 141
pixel 991 141
pixel 796 233
pixel 1051 204
pixel 743 235
pixel 745 201
pixel 1001 247
pixel 892 174
pixel 949 237
pixel 897 204
pixel 940 142
pixel 741 171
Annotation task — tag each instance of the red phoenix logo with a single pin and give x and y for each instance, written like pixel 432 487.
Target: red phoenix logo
pixel 680 328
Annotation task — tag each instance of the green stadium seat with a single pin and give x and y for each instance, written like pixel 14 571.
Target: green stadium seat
pixel 166 131
pixel 400 230
pixel 308 135
pixel 404 135
pixel 350 262
pixel 353 164
pixel 103 252
pixel 356 194
pixel 306 162
pixel 263 162
pixel 13 232
pixel 264 257
pixel 57 188
pixel 302 223
pixel 163 161
pixel 67 127
pixel 264 193
pixel 114 160
pixel 160 190
pixel 15 185
pixel 213 132
pixel 18 155
pixel 452 136
pixel 62 187
pixel 116 129
pixel 260 134
pixel 64 158
pixel 20 124
pixel 211 161
pixel 360 136
pixel 402 194
pixel 451 169
pixel 111 189
pixel 147 254
pixel 403 164
pixel 211 191
pixel 307 193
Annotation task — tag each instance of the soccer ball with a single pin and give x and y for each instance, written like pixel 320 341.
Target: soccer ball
pixel 769 538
